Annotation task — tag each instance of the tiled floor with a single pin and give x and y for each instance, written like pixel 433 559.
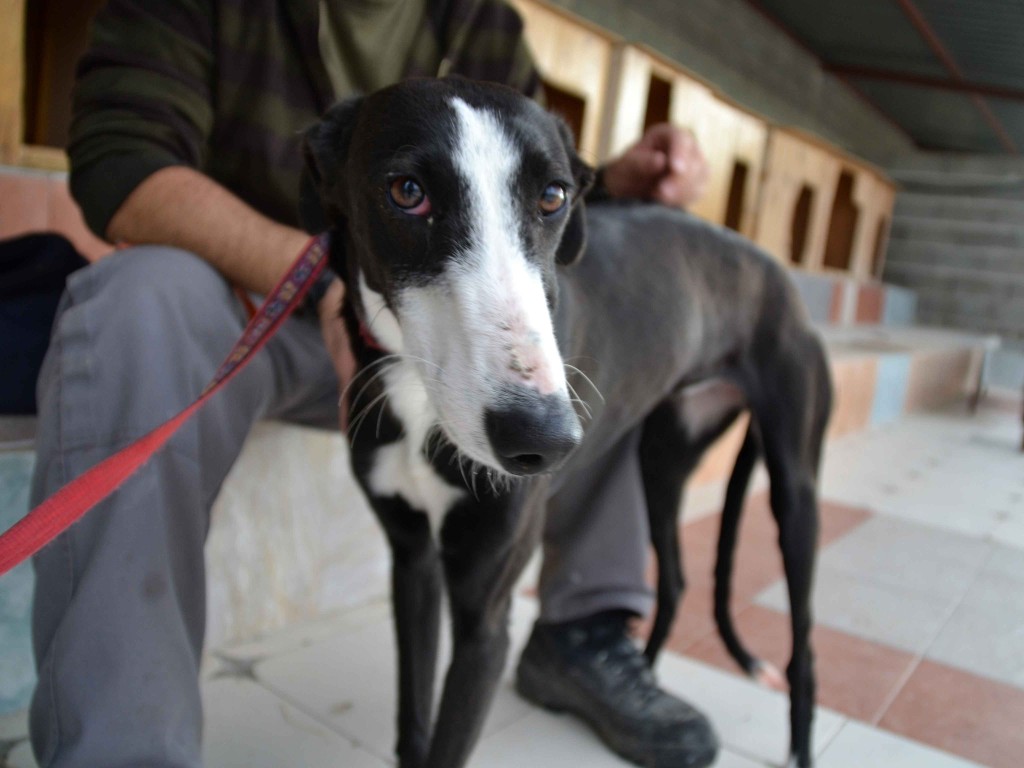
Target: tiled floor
pixel 919 640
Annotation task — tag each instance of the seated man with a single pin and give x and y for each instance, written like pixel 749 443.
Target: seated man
pixel 186 144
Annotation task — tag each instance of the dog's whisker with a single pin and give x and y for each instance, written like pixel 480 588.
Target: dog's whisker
pixel 586 378
pixel 357 422
pixel 577 399
pixel 376 375
pixel 366 370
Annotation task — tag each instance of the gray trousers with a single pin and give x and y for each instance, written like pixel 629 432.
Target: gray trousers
pixel 119 609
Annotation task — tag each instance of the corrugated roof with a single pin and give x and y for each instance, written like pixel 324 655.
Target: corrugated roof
pixel 949 72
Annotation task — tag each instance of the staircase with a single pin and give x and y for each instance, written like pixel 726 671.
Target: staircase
pixel 963 254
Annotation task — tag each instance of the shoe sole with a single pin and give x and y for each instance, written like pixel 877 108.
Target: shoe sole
pixel 553 695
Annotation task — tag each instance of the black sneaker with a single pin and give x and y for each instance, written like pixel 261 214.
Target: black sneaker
pixel 592 669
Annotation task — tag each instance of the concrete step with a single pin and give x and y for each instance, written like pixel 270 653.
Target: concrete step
pixel 959 207
pixel 924 276
pixel 982 301
pixel 959 231
pixel 977 313
pixel 996 259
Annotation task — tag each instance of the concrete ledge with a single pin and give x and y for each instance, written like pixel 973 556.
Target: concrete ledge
pixel 291 536
pixel 879 374
pixel 290 539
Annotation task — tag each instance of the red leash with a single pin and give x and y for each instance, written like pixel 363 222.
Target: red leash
pixel 40 526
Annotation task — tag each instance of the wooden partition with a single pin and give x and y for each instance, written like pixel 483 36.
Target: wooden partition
pixel 12 79
pixel 798 190
pixel 876 196
pixel 821 208
pixel 648 89
pixel 575 59
pixel 40 43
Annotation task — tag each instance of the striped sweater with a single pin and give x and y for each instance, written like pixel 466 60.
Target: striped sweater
pixel 228 86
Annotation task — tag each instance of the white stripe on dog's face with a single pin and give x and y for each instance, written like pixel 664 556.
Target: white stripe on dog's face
pixel 484 324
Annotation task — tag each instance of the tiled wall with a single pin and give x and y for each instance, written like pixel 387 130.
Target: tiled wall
pixel 36 201
pixel 835 299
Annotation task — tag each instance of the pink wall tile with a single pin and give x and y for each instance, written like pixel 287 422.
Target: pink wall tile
pixel 835 312
pixel 870 298
pixel 23 203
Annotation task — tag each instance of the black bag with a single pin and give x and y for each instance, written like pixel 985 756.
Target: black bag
pixel 33 270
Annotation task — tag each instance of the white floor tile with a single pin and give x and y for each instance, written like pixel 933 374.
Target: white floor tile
pixel 303 634
pixel 13 725
pixel 546 740
pixel 985 634
pixel 750 720
pixel 908 556
pixel 248 727
pixel 948 470
pixel 1010 532
pixel 347 679
pixel 21 757
pixel 860 746
pixel 896 617
pixel 14 736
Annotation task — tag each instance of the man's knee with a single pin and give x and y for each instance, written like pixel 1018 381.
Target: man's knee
pixel 139 334
pixel 145 281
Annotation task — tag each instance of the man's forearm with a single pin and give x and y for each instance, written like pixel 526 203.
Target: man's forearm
pixel 181 207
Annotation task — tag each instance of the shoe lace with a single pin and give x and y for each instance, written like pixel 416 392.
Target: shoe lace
pixel 627 668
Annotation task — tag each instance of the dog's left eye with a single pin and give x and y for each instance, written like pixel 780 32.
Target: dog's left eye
pixel 552 199
pixel 406 193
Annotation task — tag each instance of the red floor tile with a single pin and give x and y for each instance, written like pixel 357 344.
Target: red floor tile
pixel 856 677
pixel 758 564
pixel 965 714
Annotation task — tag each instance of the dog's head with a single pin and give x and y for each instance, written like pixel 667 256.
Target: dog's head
pixel 458 201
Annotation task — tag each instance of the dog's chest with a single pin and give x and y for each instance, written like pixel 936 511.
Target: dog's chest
pixel 401 468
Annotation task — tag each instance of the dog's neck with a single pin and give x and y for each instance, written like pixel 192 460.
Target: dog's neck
pixel 367 337
pixel 371 324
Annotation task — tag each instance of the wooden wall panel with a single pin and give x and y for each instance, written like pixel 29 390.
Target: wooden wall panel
pixel 793 163
pixel 875 196
pixel 575 57
pixel 727 134
pixel 12 79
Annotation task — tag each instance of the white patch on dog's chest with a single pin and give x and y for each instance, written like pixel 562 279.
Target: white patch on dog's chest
pixel 400 469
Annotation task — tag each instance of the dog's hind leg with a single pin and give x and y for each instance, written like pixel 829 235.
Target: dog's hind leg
pixel 416 583
pixel 792 414
pixel 665 463
pixel 670 448
pixel 732 512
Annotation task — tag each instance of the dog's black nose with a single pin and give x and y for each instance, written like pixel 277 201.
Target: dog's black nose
pixel 531 433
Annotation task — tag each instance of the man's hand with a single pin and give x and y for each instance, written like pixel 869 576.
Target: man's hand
pixel 336 340
pixel 665 166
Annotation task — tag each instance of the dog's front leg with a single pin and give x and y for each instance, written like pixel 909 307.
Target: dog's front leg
pixel 416 582
pixel 485 546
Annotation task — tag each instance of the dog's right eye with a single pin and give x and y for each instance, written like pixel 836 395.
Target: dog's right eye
pixel 552 199
pixel 406 193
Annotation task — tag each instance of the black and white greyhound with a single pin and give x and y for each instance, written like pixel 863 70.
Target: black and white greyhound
pixel 459 229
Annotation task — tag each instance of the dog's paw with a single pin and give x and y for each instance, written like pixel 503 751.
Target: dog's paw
pixel 768 675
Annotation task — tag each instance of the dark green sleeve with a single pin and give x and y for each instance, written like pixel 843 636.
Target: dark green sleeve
pixel 484 41
pixel 142 100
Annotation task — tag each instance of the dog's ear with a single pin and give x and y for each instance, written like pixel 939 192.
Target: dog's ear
pixel 574 238
pixel 325 150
